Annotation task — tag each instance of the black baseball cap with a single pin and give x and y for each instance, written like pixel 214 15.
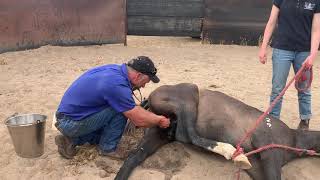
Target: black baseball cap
pixel 144 65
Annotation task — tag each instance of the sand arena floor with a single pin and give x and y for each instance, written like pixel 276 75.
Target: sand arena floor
pixel 35 80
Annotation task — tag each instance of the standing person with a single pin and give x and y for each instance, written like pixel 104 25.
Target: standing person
pixel 96 106
pixel 296 42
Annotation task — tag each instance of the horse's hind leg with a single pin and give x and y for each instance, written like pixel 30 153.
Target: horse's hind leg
pixel 225 149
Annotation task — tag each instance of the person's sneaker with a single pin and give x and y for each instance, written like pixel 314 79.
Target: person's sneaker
pixel 304 125
pixel 65 147
pixel 113 154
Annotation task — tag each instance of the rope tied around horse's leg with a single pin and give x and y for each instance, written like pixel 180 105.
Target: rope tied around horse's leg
pixel 299 151
pixel 316 154
pixel 297 76
pixel 296 150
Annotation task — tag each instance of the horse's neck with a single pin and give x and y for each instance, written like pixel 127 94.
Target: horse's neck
pixel 308 139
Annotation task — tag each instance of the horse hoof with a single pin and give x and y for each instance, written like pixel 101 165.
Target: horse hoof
pixel 242 162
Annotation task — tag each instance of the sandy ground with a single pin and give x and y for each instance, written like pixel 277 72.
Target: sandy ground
pixel 35 80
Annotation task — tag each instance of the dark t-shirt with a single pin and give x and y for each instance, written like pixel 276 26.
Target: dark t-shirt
pixel 294 24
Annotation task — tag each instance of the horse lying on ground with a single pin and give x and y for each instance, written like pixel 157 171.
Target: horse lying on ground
pixel 207 118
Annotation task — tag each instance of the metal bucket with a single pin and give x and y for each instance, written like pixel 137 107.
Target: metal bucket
pixel 27 134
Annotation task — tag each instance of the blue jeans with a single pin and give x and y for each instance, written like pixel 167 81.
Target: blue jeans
pixel 281 62
pixel 104 128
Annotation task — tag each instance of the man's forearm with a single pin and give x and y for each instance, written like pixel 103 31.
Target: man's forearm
pixel 315 35
pixel 146 118
pixel 142 118
pixel 270 26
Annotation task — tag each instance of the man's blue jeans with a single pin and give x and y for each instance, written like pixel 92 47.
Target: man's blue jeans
pixel 104 128
pixel 281 62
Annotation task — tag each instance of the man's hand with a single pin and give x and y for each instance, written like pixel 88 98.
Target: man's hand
pixel 263 55
pixel 164 122
pixel 309 61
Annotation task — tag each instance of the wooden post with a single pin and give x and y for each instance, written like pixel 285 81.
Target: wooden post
pixel 125 23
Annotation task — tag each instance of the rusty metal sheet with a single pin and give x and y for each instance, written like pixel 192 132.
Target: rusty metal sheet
pixel 32 23
pixel 235 21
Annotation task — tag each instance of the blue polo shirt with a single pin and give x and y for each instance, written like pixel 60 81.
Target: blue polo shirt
pixel 97 89
pixel 294 24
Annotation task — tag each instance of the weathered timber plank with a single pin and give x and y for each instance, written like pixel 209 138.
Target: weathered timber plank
pixel 165 8
pixel 164 26
pixel 235 21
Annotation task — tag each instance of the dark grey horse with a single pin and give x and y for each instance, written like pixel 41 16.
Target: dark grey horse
pixel 207 118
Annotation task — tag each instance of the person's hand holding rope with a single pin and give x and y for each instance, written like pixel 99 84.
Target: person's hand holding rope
pixel 308 63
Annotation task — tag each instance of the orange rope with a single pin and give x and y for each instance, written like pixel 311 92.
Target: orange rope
pixel 299 77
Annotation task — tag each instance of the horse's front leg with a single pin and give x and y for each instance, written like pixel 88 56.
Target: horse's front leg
pixel 153 139
pixel 272 163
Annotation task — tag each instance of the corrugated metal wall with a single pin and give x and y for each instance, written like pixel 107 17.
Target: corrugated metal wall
pixel 32 23
pixel 165 17
pixel 235 21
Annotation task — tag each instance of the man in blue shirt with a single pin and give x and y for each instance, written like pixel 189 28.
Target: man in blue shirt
pixel 96 106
